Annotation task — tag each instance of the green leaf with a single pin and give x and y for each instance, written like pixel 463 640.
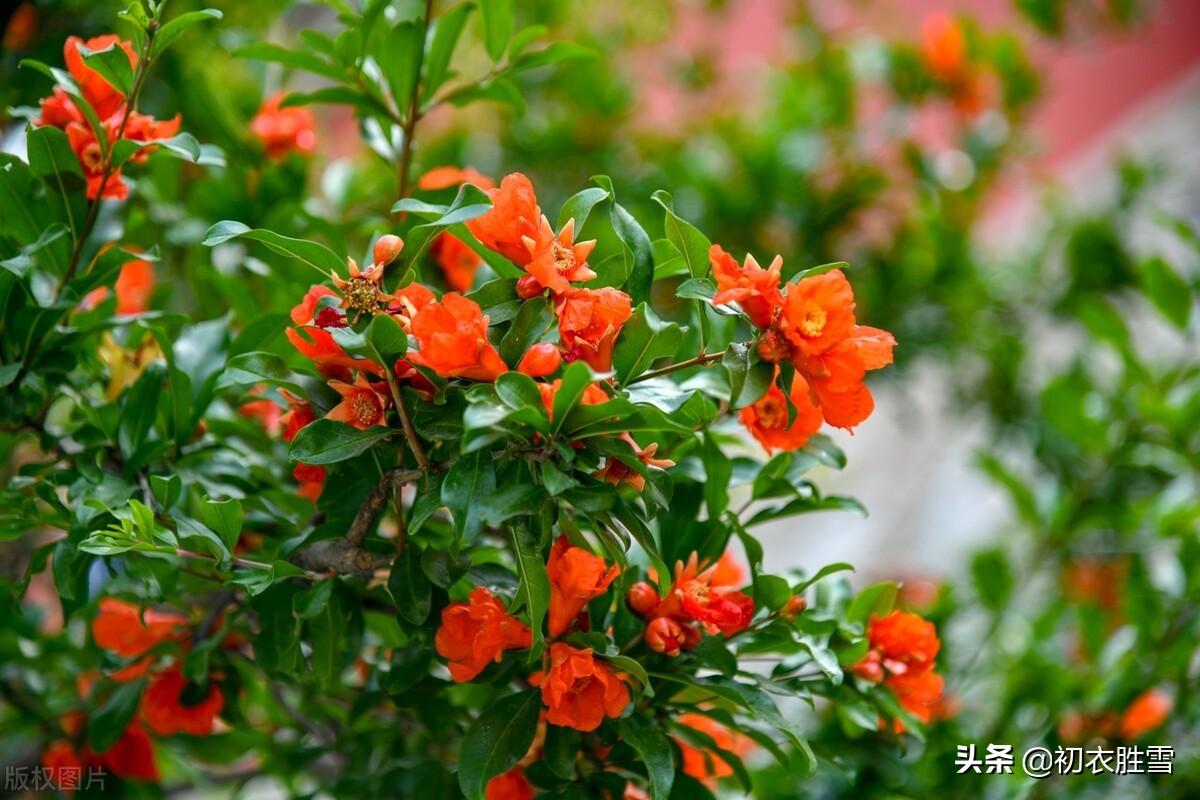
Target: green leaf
pixel 993 577
pixel 637 248
pixel 107 724
pixel 497 18
pixel 655 751
pixel 497 740
pixel 52 159
pixel 749 376
pixel 446 31
pixel 556 53
pixel 643 340
pixel 874 601
pixel 317 256
pixel 579 206
pixel 225 518
pixel 387 337
pixel 112 63
pixel 688 240
pixel 258 367
pixel 1167 290
pixel 139 409
pixel 718 470
pixel 468 484
pixel 171 31
pixel 410 587
pixel 326 636
pixel 399 55
pixel 328 442
pixel 293 59
pixel 576 378
pixel 308 604
pixel 813 272
pixel 533 590
pixel 532 321
pixel 561 750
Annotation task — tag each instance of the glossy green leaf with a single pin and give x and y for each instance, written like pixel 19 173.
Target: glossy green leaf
pixel 497 740
pixel 328 442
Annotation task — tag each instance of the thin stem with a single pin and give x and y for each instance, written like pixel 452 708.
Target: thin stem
pixel 93 214
pixel 409 127
pixel 245 562
pixel 410 433
pixel 704 359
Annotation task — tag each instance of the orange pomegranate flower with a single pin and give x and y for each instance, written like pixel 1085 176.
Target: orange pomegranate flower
pixel 693 597
pixel 134 285
pixel 836 376
pixel 409 300
pixel 299 414
pixel 557 260
pixel 592 395
pixel 579 690
pixel 576 576
pixel 818 312
pixel 703 765
pixel 943 47
pixel 512 785
pixel 1147 712
pixel 729 571
pixel 918 693
pixel 362 292
pixel 617 472
pixel 445 177
pixel 754 289
pixel 458 261
pixel 476 633
pixel 121 628
pixel 267 412
pixel 767 418
pixel 143 128
pixel 102 96
pixel 86 147
pixel 514 215
pixel 168 708
pixel 452 339
pixel 904 641
pixel 311 478
pixel 131 758
pixel 362 405
pixel 305 312
pixel 589 321
pixel 330 359
pixel 284 130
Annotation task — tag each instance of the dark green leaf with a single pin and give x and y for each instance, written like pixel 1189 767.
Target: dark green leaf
pixel 106 725
pixel 327 442
pixel 655 751
pixel 497 740
pixel 643 340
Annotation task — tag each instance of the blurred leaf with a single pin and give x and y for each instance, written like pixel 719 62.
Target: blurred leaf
pixel 497 17
pixel 317 256
pixel 1167 290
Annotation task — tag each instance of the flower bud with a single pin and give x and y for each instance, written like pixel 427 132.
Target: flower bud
pixel 528 287
pixel 665 635
pixel 387 248
pixel 773 347
pixel 792 608
pixel 540 360
pixel 870 668
pixel 642 598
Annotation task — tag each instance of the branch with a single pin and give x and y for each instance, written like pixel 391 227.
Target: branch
pixel 702 360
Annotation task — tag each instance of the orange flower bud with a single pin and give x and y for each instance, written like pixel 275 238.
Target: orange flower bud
pixel 792 608
pixel 642 598
pixel 528 287
pixel 665 635
pixel 387 248
pixel 540 360
pixel 576 577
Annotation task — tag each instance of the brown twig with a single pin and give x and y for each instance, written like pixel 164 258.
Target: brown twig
pixel 704 359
